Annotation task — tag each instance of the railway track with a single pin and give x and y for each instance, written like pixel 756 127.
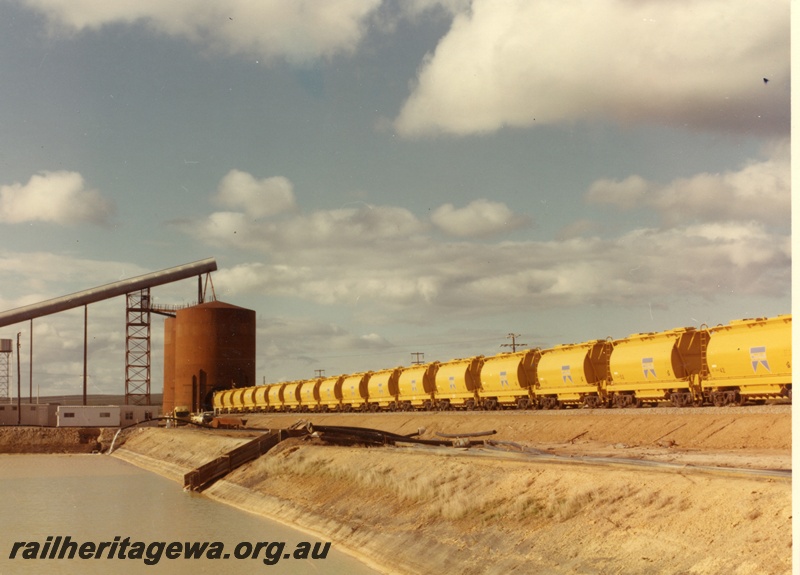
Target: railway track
pixel 777 408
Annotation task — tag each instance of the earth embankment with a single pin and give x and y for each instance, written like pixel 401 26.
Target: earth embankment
pixel 25 439
pixel 414 510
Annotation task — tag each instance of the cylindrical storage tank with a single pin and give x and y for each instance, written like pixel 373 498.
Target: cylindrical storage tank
pixel 506 379
pixel 457 383
pixel 655 366
pixel 573 374
pixel 330 393
pixel 168 397
pixel 416 387
pixel 753 356
pixel 382 389
pixel 215 348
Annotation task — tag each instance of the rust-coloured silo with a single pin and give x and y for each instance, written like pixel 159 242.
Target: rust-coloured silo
pixel 168 397
pixel 214 349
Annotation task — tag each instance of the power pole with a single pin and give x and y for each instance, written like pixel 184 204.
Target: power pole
pixel 319 373
pixel 419 357
pixel 19 385
pixel 513 345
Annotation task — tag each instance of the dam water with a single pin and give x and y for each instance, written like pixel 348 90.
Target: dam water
pixel 123 519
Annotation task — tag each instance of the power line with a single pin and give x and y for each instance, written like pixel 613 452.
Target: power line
pixel 513 345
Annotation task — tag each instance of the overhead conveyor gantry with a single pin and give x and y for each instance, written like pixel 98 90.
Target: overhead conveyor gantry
pixel 137 380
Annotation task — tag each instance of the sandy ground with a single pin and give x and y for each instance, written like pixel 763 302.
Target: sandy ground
pixel 53 440
pixel 415 510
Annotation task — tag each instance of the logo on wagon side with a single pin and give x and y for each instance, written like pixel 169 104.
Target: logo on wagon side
pixel 758 356
pixel 566 374
pixel 648 367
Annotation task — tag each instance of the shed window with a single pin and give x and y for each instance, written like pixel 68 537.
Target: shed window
pixel 128 415
pixel 69 414
pixel 105 414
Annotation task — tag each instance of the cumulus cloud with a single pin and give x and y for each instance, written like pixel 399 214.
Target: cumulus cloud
pixel 480 218
pixel 55 197
pixel 299 31
pixel 258 198
pixel 385 262
pixel 706 260
pixel 760 190
pixel 363 226
pixel 519 63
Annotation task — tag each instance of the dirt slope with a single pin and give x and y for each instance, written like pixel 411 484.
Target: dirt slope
pixel 414 511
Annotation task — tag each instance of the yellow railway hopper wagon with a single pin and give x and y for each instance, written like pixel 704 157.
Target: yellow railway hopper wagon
pixel 219 401
pixel 309 394
pixel 248 399
pixel 330 393
pixel 354 391
pixel 290 396
pixel 416 387
pixel 658 367
pixel 458 382
pixel 382 389
pixel 275 396
pixel 573 374
pixel 507 379
pixel 238 399
pixel 750 359
pixel 261 398
pixel 225 401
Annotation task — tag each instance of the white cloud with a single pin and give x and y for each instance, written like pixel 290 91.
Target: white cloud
pixel 359 228
pixel 258 198
pixel 696 63
pixel 56 197
pixel 760 191
pixel 384 261
pixel 626 194
pixel 300 30
pixel 429 279
pixel 479 218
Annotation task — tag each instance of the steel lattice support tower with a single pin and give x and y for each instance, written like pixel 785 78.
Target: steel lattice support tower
pixel 137 348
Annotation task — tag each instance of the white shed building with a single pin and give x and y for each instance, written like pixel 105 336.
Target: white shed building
pixel 130 414
pixel 88 416
pixel 43 414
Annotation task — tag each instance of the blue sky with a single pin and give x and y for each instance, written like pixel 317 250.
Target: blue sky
pixel 377 178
